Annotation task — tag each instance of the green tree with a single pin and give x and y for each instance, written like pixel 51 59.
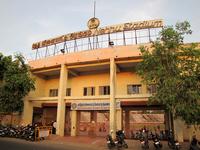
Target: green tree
pixel 4 61
pixel 15 83
pixel 175 69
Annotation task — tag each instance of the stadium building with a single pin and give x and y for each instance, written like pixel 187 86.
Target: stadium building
pixel 86 82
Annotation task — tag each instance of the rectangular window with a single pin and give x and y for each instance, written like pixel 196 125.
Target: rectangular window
pixel 102 116
pixel 85 91
pixel 92 91
pixel 134 89
pixel 151 88
pixel 85 116
pixel 68 92
pixel 88 91
pixel 104 90
pixel 53 92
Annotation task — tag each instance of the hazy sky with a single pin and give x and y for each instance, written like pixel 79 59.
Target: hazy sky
pixel 23 22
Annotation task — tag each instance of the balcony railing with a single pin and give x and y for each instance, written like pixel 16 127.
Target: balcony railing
pixel 97 42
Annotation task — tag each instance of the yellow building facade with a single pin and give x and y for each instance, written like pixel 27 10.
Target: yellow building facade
pixel 95 91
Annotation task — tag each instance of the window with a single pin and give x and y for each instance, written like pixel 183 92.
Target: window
pixel 85 116
pixel 134 89
pixel 68 92
pixel 53 92
pixel 151 88
pixel 104 90
pixel 102 116
pixel 88 91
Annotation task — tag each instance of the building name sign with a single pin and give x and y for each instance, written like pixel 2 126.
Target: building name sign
pixel 100 31
pixel 93 105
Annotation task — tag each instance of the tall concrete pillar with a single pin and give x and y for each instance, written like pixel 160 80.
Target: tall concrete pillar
pixel 119 119
pixel 112 97
pixel 27 112
pixel 178 129
pixel 73 122
pixel 61 102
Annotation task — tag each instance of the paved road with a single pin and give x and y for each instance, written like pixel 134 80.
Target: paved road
pixel 17 144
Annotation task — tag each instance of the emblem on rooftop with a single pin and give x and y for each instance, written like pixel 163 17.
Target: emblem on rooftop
pixel 99 37
pixel 93 23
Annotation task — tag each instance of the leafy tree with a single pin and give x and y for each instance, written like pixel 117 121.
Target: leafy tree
pixel 4 61
pixel 15 83
pixel 175 69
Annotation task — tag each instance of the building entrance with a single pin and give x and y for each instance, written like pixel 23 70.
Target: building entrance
pixel 135 119
pixel 67 121
pixel 49 114
pixel 37 115
pixel 93 123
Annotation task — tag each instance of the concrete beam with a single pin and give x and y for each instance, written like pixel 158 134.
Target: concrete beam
pixel 118 69
pixel 73 73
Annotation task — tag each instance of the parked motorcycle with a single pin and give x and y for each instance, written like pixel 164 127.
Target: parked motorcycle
pixel 27 132
pixel 144 140
pixel 137 135
pixel 194 145
pixel 5 132
pixel 120 137
pixel 2 132
pixel 156 142
pixel 119 142
pixel 30 135
pixel 173 144
pixel 110 142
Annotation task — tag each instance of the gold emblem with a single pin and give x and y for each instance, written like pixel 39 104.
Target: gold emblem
pixel 73 106
pixel 93 23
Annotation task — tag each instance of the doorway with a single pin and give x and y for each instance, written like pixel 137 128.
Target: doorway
pixel 136 119
pixel 93 123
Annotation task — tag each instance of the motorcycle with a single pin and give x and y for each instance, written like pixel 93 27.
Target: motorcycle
pixel 137 135
pixel 27 132
pixel 194 144
pixel 156 142
pixel 119 142
pixel 120 136
pixel 2 132
pixel 30 133
pixel 144 140
pixel 110 142
pixel 12 132
pixel 173 144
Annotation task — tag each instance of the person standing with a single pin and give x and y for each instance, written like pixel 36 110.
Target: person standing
pixel 54 124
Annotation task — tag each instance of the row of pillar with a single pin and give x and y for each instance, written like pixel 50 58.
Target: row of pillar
pixel 61 102
pixel 115 116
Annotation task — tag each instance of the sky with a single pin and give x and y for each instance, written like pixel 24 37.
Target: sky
pixel 23 22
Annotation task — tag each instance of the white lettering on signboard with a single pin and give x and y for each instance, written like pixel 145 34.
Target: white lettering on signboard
pixel 93 105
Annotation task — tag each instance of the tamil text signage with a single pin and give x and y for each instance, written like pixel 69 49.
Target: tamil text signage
pixel 100 31
pixel 93 105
